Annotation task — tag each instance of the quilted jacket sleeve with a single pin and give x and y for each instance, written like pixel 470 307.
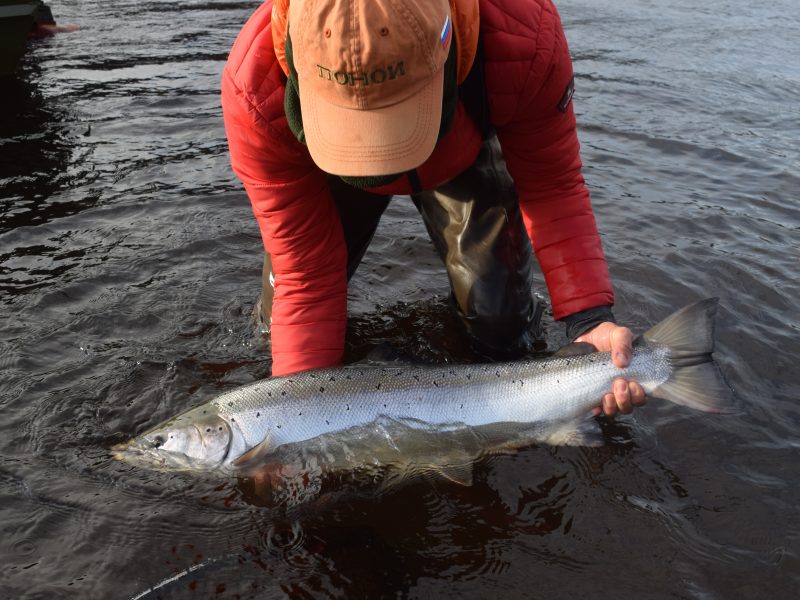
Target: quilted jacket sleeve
pixel 299 223
pixel 541 148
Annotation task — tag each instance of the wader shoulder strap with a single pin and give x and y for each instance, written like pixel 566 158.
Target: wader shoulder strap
pixel 473 94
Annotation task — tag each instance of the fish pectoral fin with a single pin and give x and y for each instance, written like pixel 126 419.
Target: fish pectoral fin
pixel 583 431
pixel 254 457
pixel 460 474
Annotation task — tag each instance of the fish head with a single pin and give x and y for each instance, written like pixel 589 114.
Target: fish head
pixel 193 441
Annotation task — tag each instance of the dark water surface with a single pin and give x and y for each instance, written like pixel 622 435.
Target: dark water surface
pixel 130 263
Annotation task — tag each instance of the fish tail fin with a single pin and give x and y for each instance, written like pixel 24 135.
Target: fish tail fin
pixel 696 380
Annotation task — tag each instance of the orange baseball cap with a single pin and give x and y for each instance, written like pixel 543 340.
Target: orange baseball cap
pixel 370 78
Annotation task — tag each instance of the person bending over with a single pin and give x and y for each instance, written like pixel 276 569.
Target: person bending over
pixel 332 107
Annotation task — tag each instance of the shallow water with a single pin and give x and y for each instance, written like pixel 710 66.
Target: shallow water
pixel 130 263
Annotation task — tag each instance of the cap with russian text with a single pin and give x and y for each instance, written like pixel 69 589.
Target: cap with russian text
pixel 370 78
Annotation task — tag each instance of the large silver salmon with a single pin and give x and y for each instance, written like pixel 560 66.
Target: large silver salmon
pixel 431 417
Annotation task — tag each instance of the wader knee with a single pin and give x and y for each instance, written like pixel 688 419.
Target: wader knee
pixel 476 225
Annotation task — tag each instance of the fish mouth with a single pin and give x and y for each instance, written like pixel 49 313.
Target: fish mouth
pixel 136 454
pixel 150 458
pixel 120 451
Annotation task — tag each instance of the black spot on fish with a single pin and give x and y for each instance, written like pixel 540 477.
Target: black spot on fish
pixel 327 422
pixel 567 362
pixel 279 426
pixel 258 414
pixel 208 430
pixel 321 389
pixel 377 386
pixel 312 376
pixel 398 374
pixel 469 375
pixel 384 406
pixel 497 373
pixel 220 428
pixel 283 393
pixel 348 377
pixel 230 403
pixel 233 420
pixel 435 384
pixel 269 394
pixel 348 406
pixel 462 406
pixel 416 377
pixel 332 378
pixel 205 411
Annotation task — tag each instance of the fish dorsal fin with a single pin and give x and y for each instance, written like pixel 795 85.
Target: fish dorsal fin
pixel 255 456
pixel 575 349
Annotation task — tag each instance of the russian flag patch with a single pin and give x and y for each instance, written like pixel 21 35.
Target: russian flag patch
pixel 447 31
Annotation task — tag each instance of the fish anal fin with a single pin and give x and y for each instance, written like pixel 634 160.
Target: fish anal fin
pixel 460 474
pixel 507 438
pixel 584 431
pixel 255 456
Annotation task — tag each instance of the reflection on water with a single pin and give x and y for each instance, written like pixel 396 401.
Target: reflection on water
pixel 130 263
pixel 35 156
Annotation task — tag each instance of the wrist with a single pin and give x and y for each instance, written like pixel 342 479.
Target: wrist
pixel 580 322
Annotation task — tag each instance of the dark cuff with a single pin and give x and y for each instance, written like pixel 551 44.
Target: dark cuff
pixel 581 322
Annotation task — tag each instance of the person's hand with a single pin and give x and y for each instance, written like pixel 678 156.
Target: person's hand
pixel 625 393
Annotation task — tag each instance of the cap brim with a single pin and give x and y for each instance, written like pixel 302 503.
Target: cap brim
pixel 380 141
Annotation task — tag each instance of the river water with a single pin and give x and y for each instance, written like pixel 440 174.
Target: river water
pixel 130 264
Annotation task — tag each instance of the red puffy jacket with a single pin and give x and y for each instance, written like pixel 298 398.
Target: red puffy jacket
pixel 528 70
